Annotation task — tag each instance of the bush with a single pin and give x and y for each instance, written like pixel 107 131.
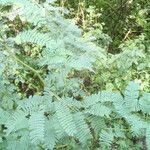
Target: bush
pixel 44 101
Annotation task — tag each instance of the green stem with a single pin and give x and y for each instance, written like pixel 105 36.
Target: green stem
pixel 32 69
pixel 36 72
pixel 26 65
pixel 55 95
pixel 61 146
pixel 34 86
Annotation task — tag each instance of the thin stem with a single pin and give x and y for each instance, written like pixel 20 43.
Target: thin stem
pixel 26 65
pixel 61 146
pixel 29 67
pixel 32 69
pixel 55 95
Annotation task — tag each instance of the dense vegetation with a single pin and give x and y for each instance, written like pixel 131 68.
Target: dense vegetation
pixel 74 75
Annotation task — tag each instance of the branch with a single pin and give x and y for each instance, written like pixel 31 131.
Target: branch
pixel 24 64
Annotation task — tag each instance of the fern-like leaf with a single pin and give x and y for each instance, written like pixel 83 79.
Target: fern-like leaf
pixel 50 135
pixel 83 132
pixel 4 115
pixel 106 137
pixel 144 103
pixel 99 110
pixel 91 100
pixel 148 138
pixel 17 121
pixel 65 119
pixel 131 96
pixel 37 127
pixel 97 123
pixel 33 104
pixel 33 36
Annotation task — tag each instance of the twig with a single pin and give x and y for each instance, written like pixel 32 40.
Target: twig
pixel 36 72
pixel 127 35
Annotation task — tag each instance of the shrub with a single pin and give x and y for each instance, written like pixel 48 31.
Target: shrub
pixel 43 103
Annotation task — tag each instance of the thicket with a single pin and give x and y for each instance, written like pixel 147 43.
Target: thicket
pixel 120 27
pixel 72 84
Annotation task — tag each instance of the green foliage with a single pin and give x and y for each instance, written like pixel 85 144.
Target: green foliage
pixel 115 73
pixel 44 101
pixel 126 23
pixel 121 19
pixel 30 120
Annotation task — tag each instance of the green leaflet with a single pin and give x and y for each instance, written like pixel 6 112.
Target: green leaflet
pixel 144 103
pixel 83 132
pixel 99 110
pixel 148 137
pixel 106 137
pixel 33 36
pixel 16 121
pixel 43 105
pixel 131 96
pixel 65 119
pixel 50 135
pixel 37 127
